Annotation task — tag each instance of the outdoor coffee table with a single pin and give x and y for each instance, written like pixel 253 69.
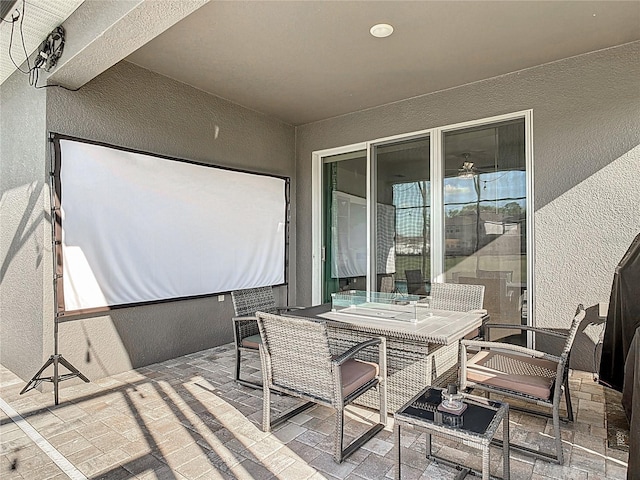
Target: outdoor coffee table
pixel 475 427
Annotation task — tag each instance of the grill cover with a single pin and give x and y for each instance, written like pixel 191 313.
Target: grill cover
pixel 623 318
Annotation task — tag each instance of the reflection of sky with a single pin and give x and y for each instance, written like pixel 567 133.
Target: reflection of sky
pixel 494 185
pixel 496 189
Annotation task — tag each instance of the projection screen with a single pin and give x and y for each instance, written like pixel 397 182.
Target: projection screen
pixel 134 228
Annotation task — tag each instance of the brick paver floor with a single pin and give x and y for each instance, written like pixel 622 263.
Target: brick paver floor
pixel 187 419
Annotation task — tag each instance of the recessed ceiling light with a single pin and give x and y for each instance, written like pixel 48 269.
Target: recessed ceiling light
pixel 381 30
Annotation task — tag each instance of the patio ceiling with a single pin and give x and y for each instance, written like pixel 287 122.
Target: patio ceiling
pixel 304 61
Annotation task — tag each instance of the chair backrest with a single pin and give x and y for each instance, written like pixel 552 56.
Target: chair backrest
pixel 387 284
pixel 457 297
pixel 495 293
pixel 414 280
pixel 299 354
pixel 251 300
pixel 563 366
pixel 573 330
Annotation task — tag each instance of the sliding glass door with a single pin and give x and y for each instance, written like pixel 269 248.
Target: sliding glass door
pixel 403 215
pixel 485 206
pixel 345 223
pixel 448 204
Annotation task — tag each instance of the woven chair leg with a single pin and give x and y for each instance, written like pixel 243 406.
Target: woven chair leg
pixel 398 451
pixel 338 434
pixel 383 403
pixel 556 431
pixel 266 409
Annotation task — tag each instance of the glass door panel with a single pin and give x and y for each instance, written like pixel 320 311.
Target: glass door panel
pixel 403 216
pixel 344 223
pixel 485 192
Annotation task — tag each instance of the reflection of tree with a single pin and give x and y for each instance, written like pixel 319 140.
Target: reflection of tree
pixel 424 192
pixel 481 211
pixel 511 209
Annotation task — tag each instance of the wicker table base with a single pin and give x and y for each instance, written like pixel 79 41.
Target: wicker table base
pixel 416 355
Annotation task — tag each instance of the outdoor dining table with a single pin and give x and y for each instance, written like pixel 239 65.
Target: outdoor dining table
pixel 418 354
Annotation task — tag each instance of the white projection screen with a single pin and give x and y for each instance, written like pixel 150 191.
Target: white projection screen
pixel 135 228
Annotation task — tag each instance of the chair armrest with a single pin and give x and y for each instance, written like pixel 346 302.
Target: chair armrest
pixel 340 359
pixel 288 308
pixel 509 348
pixel 244 327
pixel 544 331
pixel 244 319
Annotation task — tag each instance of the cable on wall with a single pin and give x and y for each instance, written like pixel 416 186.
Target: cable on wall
pixel 49 52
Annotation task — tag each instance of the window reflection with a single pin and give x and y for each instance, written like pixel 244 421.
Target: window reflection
pixel 485 216
pixel 404 204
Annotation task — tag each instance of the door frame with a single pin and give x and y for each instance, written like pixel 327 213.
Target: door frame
pixel 437 223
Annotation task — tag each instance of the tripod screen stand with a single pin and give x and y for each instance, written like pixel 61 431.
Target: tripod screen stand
pixel 56 360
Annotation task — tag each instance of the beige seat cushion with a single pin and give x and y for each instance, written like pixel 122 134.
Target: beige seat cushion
pixel 471 335
pixel 254 341
pixel 531 376
pixel 356 373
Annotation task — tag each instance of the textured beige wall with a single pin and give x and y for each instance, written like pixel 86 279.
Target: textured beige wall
pixel 131 107
pixel 586 128
pixel 24 228
pixel 586 131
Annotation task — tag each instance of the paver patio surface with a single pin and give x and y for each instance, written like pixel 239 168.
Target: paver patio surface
pixel 187 419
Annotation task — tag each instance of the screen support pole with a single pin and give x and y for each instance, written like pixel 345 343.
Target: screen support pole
pixel 55 360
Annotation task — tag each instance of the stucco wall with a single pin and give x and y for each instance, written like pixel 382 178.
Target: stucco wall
pixel 586 128
pixel 586 131
pixel 135 108
pixel 24 227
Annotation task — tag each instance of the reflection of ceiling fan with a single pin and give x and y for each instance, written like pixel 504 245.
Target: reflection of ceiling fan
pixel 468 168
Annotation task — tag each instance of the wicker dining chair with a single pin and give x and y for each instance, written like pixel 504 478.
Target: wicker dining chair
pixel 526 374
pixel 457 297
pixel 388 284
pixel 296 360
pixel 245 329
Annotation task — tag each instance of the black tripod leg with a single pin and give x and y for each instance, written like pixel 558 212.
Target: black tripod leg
pixel 54 360
pixel 71 368
pixel 35 380
pixel 55 378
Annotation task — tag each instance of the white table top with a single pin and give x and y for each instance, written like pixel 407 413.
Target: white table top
pixel 443 327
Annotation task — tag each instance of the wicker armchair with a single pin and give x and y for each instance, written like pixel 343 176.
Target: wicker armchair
pixel 296 360
pixel 457 297
pixel 522 373
pixel 245 329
